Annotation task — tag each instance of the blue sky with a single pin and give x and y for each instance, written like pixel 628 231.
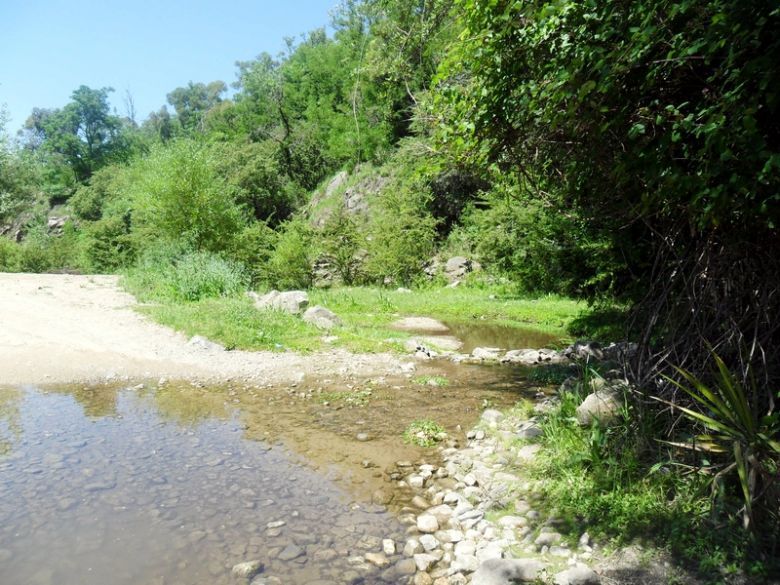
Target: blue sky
pixel 48 48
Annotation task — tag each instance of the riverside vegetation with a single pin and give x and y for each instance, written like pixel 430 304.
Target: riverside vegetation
pixel 614 169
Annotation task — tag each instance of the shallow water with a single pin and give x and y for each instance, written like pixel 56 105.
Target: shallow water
pixel 479 335
pixel 175 485
pixel 130 497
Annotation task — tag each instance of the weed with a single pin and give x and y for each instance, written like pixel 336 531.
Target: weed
pixel 424 433
pixel 431 381
pixel 348 397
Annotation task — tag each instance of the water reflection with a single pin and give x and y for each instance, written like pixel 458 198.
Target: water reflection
pixel 175 485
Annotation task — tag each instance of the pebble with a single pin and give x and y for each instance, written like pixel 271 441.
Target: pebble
pixel 247 570
pixel 377 559
pixel 388 546
pixel 290 552
pixel 424 561
pixel 427 523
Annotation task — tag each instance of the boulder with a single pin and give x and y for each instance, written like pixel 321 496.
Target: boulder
pixel 577 575
pixel 534 357
pixel 57 223
pixel 322 318
pixel 507 572
pixel 294 301
pixel 603 405
pixel 584 350
pixel 459 266
pixel 486 353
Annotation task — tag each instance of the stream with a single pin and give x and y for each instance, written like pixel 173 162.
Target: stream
pixel 175 483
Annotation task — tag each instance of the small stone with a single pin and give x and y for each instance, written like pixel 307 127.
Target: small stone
pixel 388 546
pixel 584 539
pixel 429 542
pixel 492 416
pixel 465 563
pixel 275 524
pixel 381 497
pixel 290 552
pixel 424 561
pixel 412 547
pixel 377 559
pixel 362 437
pixel 247 570
pixel 427 523
pixel 406 567
pixel 416 481
pixel 422 579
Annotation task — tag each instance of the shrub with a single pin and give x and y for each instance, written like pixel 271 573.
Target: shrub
pixel 179 195
pixel 170 272
pixel 340 242
pixel 253 247
pixel 401 235
pixel 290 264
pixel 202 275
pixel 108 245
pixel 9 255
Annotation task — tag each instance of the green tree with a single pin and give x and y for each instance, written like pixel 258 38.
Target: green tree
pixel 84 132
pixel 193 101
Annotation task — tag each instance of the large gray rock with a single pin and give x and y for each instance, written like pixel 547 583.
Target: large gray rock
pixel 489 354
pixel 459 266
pixel 294 301
pixel 534 357
pixel 603 405
pixel 322 318
pixel 507 572
pixel 577 575
pixel 584 350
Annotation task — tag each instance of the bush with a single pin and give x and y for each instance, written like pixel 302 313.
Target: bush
pixel 253 247
pixel 203 275
pixel 170 272
pixel 543 251
pixel 262 185
pixel 9 255
pixel 401 234
pixel 340 242
pixel 290 264
pixel 105 186
pixel 108 245
pixel 179 196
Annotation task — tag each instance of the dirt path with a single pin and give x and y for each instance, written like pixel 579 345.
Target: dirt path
pixel 62 328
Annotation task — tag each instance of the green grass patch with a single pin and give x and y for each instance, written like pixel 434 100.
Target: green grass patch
pixel 619 484
pixel 439 381
pixel 347 397
pixel 367 313
pixel 424 433
pixel 236 324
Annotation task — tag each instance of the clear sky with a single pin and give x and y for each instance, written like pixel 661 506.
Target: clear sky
pixel 48 48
